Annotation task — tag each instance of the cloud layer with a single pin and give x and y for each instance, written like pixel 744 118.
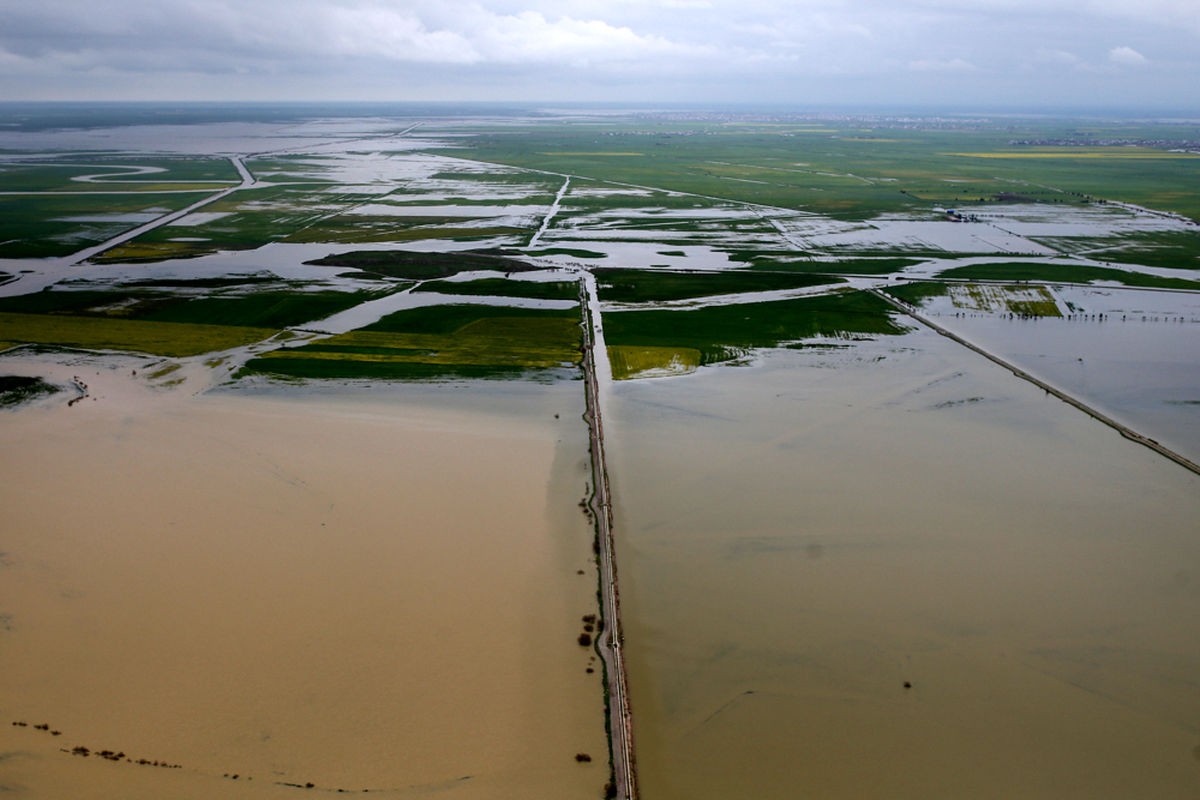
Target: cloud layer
pixel 1032 52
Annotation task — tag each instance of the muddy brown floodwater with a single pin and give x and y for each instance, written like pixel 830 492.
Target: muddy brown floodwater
pixel 362 594
pixel 892 569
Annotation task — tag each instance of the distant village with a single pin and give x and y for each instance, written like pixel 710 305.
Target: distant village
pixel 1174 145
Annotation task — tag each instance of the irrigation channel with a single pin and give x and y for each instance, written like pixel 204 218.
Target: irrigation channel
pixel 608 640
pixel 248 181
pixel 1127 432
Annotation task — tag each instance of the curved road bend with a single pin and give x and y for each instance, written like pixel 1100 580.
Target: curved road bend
pixel 248 180
pixel 1128 433
pixel 608 642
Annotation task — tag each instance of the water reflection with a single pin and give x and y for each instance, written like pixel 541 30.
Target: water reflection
pixel 1131 354
pixel 895 570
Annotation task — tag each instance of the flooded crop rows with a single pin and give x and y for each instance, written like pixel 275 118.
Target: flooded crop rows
pixel 300 492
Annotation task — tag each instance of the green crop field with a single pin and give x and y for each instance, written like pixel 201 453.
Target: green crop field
pixel 662 208
pixel 1170 249
pixel 788 262
pixel 110 173
pixel 248 219
pixel 161 322
pixel 265 309
pixel 725 333
pixel 915 293
pixel 48 225
pixel 437 342
pixel 853 175
pixel 418 266
pixel 362 229
pixel 639 286
pixel 1065 273
pixel 537 290
pixel 98 333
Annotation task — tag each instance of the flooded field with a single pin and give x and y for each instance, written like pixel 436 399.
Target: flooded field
pixel 892 569
pixel 354 591
pixel 275 532
pixel 1130 354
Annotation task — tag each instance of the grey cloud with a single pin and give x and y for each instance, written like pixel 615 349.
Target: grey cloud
pixel 1126 57
pixel 593 49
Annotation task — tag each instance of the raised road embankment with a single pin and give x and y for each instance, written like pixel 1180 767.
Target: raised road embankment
pixel 608 642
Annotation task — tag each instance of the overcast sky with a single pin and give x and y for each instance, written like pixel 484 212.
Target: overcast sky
pixel 965 53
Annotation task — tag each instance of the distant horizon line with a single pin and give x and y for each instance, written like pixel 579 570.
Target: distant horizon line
pixel 1162 113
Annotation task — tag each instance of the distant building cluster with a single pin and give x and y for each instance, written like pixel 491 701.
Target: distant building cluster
pixel 910 122
pixel 1174 145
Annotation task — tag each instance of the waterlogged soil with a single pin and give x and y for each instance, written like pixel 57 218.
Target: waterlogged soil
pixel 1128 353
pixel 1145 375
pixel 891 569
pixel 376 594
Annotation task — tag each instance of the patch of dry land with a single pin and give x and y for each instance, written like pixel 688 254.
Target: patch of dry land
pixel 376 594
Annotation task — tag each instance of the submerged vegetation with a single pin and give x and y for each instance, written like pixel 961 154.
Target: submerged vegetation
pixel 854 174
pixel 663 209
pixel 55 225
pixel 726 333
pixel 18 389
pixel 437 342
pixel 915 292
pixel 162 323
pixel 628 361
pixel 784 262
pixel 1065 273
pixel 418 266
pixel 537 290
pixel 693 227
pixel 176 339
pixel 1022 301
pixel 640 285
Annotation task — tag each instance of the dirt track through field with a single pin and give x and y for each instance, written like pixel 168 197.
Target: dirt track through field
pixel 608 643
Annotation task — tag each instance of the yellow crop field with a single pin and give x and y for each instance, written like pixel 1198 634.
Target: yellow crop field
pixel 177 339
pixel 1109 154
pixel 146 251
pixel 632 362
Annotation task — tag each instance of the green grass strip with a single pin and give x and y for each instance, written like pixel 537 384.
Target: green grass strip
pixel 538 290
pixel 640 285
pixel 1066 273
pixel 723 333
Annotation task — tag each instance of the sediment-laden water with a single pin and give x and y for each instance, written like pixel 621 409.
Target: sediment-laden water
pixel 378 593
pixel 892 569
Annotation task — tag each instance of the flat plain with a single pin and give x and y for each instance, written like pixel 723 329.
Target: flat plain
pixel 302 491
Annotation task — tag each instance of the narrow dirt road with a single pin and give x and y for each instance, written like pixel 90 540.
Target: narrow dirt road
pixel 550 214
pixel 248 180
pixel 608 642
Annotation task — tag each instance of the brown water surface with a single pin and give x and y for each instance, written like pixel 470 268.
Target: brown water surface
pixel 375 594
pixel 894 570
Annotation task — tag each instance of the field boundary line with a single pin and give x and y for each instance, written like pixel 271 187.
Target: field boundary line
pixel 1124 430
